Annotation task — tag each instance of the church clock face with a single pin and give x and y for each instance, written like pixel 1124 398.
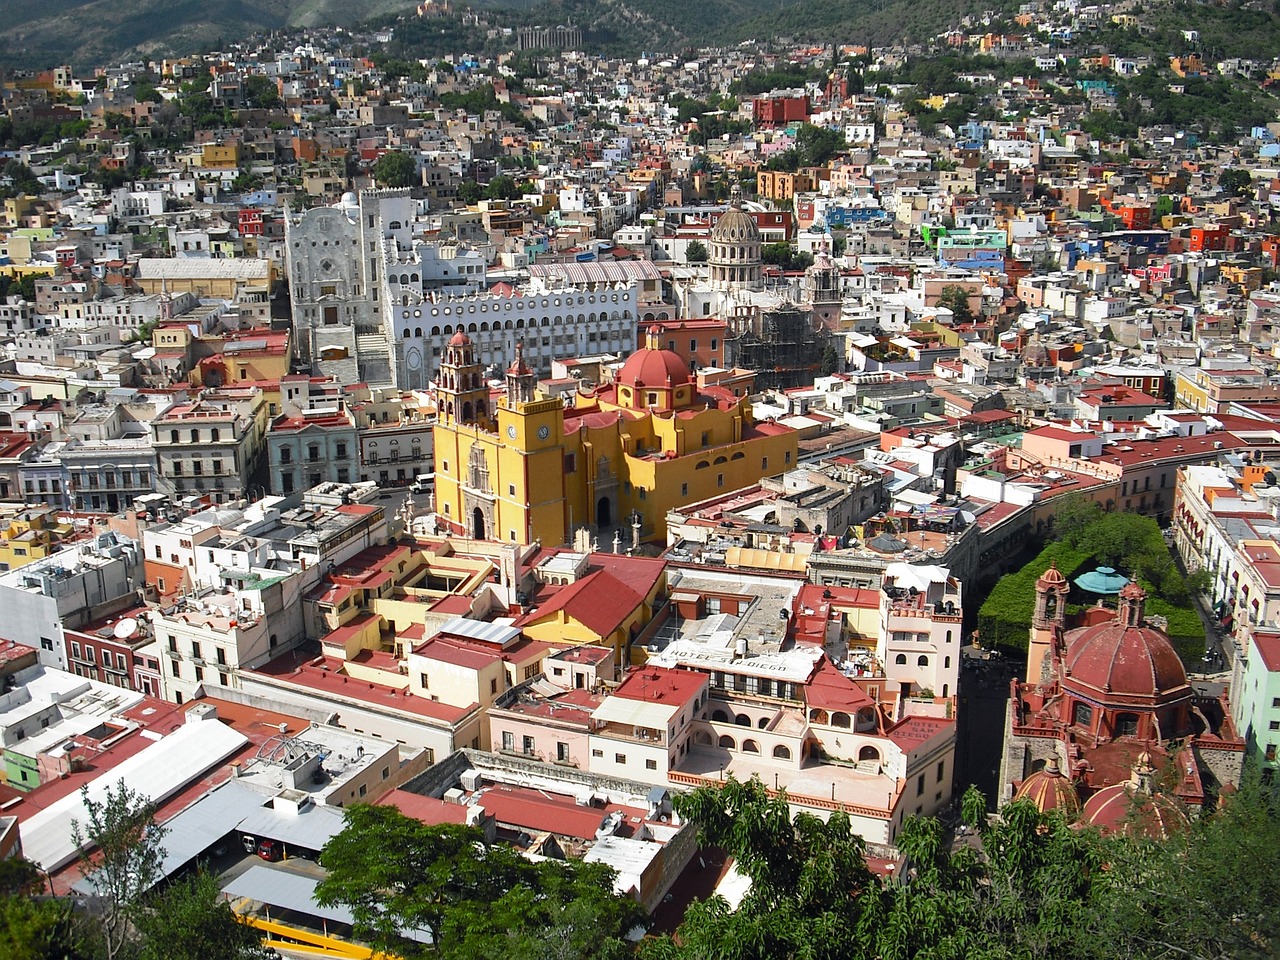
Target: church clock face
pixel 544 432
pixel 511 431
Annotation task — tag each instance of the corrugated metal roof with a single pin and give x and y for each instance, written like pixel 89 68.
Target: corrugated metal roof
pixel 620 271
pixel 765 559
pixel 292 891
pixel 637 713
pixel 156 773
pixel 499 632
pixel 310 829
pixel 201 825
pixel 211 268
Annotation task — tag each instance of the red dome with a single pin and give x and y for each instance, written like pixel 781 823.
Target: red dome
pixel 1049 790
pixel 648 367
pixel 1120 807
pixel 459 339
pixel 1114 660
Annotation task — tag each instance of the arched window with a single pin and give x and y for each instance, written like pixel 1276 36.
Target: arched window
pixel 900 659
pixel 869 753
pixel 719 716
pixel 750 746
pixel 841 719
pixel 742 720
pixel 946 662
pixel 1082 714
pixel 922 661
pixel 782 752
pixel 702 738
pixel 728 743
pixel 1127 724
pixel 762 722
pixel 819 716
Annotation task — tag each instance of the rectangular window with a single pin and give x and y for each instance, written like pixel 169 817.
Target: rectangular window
pixel 920 785
pixel 527 745
pixel 562 752
pixel 684 489
pixel 651 764
pixel 508 740
pixel 941 765
pixel 75 650
pixel 620 758
pixel 597 753
pixel 423 678
pixel 493 685
pixel 570 462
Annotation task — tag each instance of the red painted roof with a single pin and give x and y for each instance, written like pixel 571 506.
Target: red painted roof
pixel 427 810
pixel 662 684
pixel 1268 645
pixel 829 689
pixel 599 601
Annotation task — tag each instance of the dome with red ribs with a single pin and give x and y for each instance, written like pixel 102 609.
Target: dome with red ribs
pixel 654 366
pixel 1124 660
pixel 1049 790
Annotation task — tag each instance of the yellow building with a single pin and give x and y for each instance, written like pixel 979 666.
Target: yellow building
pixel 529 468
pixel 32 534
pixel 221 156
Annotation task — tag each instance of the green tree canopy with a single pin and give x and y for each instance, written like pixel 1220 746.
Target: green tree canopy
pixel 695 251
pixel 1031 886
pixel 395 169
pixel 121 852
pixel 191 921
pixel 956 299
pixel 476 900
pixel 1235 182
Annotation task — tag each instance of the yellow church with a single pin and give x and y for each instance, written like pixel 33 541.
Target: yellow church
pixel 528 469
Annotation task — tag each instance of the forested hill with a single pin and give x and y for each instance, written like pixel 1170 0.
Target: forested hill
pixel 43 33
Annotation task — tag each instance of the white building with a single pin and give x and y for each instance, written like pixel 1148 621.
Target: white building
pixel 920 629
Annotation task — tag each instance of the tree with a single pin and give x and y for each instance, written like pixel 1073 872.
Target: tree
pixel 695 251
pixel 830 360
pixel 39 929
pixel 261 92
pixel 191 921
pixel 1235 182
pixel 1072 514
pixel 395 169
pixel 19 876
pixel 1209 892
pixel 809 881
pixel 956 299
pixel 475 900
pixel 120 855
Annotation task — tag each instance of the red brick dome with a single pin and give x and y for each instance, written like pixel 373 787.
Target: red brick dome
pixel 1052 577
pixel 1125 661
pixel 460 339
pixel 1116 662
pixel 1049 790
pixel 1125 809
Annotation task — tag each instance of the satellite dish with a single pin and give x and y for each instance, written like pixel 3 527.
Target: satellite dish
pixel 126 628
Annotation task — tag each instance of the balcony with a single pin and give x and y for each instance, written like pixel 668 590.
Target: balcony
pixel 645 735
